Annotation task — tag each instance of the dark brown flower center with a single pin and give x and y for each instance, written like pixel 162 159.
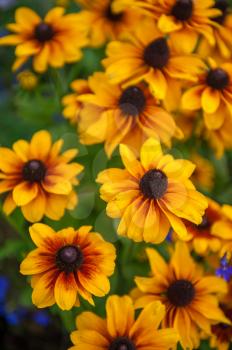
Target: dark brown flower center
pixel 217 79
pixel 122 343
pixel 132 101
pixel 154 184
pixel 34 171
pixel 181 293
pixel 157 53
pixel 182 10
pixel 44 32
pixel 204 224
pixel 69 258
pixel 223 6
pixel 223 331
pixel 113 17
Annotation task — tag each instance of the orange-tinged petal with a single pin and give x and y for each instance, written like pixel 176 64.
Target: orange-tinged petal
pixel 40 61
pixel 36 262
pixel 96 284
pixel 40 234
pixel 65 291
pixel 26 18
pixel 9 161
pixel 54 14
pixel 27 48
pixel 57 185
pixel 191 99
pixel 130 161
pixel 168 24
pixel 88 320
pixel 35 210
pixel 43 293
pixel 24 193
pixel 9 204
pixel 157 262
pixel 157 83
pixel 55 206
pixel 210 100
pixel 40 145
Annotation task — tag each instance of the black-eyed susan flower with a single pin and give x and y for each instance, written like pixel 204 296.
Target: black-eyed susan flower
pixel 201 236
pixel 68 264
pixel 53 41
pixel 221 337
pixel 127 115
pixel 212 93
pixel 223 228
pixel 189 296
pixel 184 20
pixel 148 55
pixel 38 178
pixel 103 24
pixel 71 103
pixel 151 195
pixel 204 173
pixel 121 330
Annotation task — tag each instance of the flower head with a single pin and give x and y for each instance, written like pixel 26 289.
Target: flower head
pixel 121 330
pixel 37 178
pixel 27 80
pixel 189 296
pixel 204 173
pixel 151 195
pixel 55 40
pixel 67 264
pixel 225 269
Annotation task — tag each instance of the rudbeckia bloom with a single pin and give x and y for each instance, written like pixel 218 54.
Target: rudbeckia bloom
pixel 212 94
pixel 184 20
pixel 72 105
pixel 129 116
pixel 68 264
pixel 55 40
pixel 223 228
pixel 121 330
pixel 190 298
pixel 152 194
pixel 201 236
pixel 103 24
pixel 222 333
pixel 148 55
pixel 37 178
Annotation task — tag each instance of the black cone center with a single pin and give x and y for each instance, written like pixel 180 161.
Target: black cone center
pixel 122 343
pixel 132 101
pixel 69 258
pixel 113 17
pixel 157 53
pixel 44 32
pixel 223 6
pixel 217 79
pixel 181 293
pixel 154 184
pixel 182 10
pixel 34 171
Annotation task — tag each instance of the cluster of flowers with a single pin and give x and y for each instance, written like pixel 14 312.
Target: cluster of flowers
pixel 167 74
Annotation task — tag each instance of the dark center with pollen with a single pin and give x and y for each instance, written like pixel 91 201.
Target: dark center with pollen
pixel 34 171
pixel 113 17
pixel 217 79
pixel 223 6
pixel 132 101
pixel 204 224
pixel 180 293
pixel 157 53
pixel 182 10
pixel 154 184
pixel 122 343
pixel 44 32
pixel 69 258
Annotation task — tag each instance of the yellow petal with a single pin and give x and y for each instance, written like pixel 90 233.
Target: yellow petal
pixel 40 145
pixel 43 294
pixel 24 193
pixel 151 152
pixel 210 100
pixel 65 291
pixel 41 233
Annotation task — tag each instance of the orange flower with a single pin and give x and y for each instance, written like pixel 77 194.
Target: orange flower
pixel 67 264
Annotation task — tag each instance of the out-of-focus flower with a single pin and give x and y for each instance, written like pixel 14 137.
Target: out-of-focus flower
pixel 148 55
pixel 204 173
pixel 212 94
pixel 6 4
pixel 72 105
pixel 27 80
pixel 184 20
pixel 189 296
pixel 41 318
pixel 127 115
pixel 223 228
pixel 55 40
pixel 225 269
pixel 38 177
pixel 121 331
pixel 221 332
pixel 66 264
pixel 63 3
pixel 151 195
pixel 103 23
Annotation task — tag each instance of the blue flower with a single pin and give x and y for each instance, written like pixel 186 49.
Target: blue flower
pixel 225 269
pixel 41 318
pixel 4 287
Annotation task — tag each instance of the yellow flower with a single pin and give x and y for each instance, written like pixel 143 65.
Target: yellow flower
pixel 148 55
pixel 54 41
pixel 38 178
pixel 204 173
pixel 66 264
pixel 184 20
pixel 222 228
pixel 222 30
pixel 72 105
pixel 201 236
pixel 212 93
pixel 189 297
pixel 27 80
pixel 222 333
pixel 121 330
pixel 152 194
pixel 129 116
pixel 103 23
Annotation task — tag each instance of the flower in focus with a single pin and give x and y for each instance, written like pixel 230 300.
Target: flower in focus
pixel 203 175
pixel 184 20
pixel 37 178
pixel 151 195
pixel 54 41
pixel 103 23
pixel 66 264
pixel 212 93
pixel 71 103
pixel 27 80
pixel 128 116
pixel 201 236
pixel 148 55
pixel 121 331
pixel 190 298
